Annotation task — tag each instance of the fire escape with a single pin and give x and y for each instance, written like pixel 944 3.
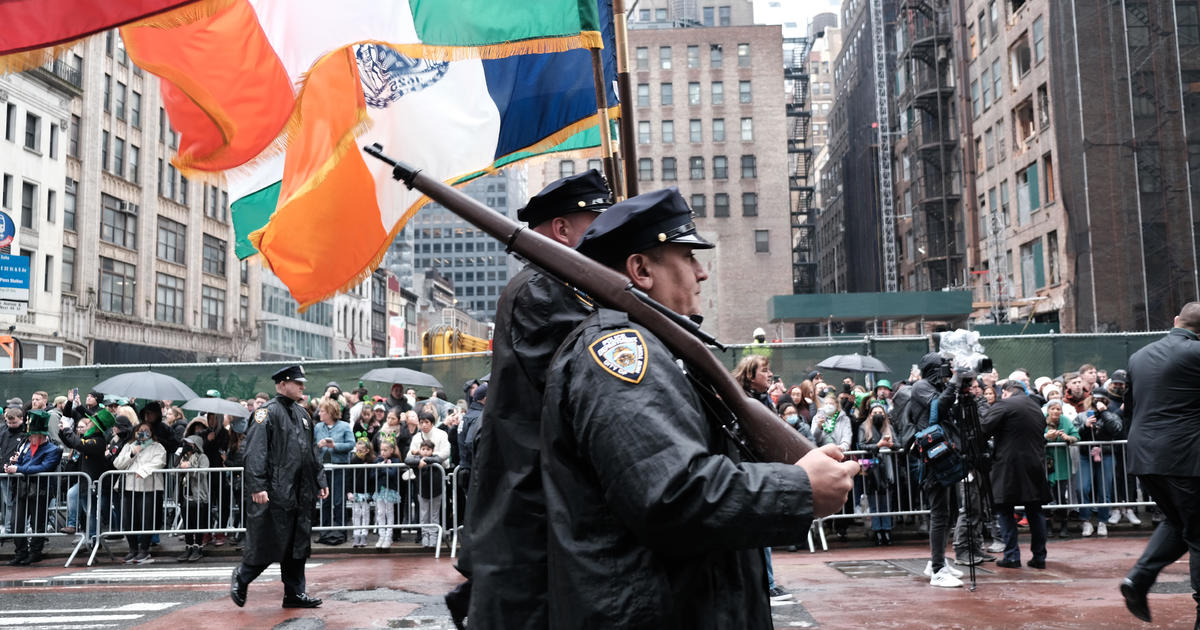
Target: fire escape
pixel 933 141
pixel 800 158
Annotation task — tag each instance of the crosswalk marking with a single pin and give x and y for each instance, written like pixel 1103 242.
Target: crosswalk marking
pixel 81 618
pixel 138 607
pixel 210 573
pixel 25 621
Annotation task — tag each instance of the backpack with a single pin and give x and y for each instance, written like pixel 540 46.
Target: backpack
pixel 942 462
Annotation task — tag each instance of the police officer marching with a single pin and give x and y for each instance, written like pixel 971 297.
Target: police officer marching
pixel 284 478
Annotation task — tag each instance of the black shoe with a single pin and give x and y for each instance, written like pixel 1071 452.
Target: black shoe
pixel 237 590
pixel 301 600
pixel 1037 564
pixel 19 560
pixel 34 557
pixel 1015 564
pixel 1135 600
pixel 968 561
pixel 185 556
pixel 984 556
pixel 887 537
pixel 196 554
pixel 457 602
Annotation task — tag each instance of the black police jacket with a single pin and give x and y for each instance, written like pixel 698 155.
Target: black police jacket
pixel 1160 407
pixel 653 520
pixel 506 552
pixel 281 459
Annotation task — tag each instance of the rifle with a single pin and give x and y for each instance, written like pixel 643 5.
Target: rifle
pixel 770 438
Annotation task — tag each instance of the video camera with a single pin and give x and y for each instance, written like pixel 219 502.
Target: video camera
pixel 965 357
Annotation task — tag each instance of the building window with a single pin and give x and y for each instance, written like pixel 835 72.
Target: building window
pixel 566 168
pixel 53 141
pixel 720 167
pixel 718 93
pixel 50 203
pixel 29 193
pixel 1020 58
pixel 744 92
pixel 975 109
pixel 749 167
pixel 135 110
pixel 721 205
pixel 747 130
pixel 643 95
pixel 699 205
pixel 693 56
pixel 184 187
pixel 762 242
pixel 986 86
pixel 119 101
pixel 73 143
pixel 592 164
pixel 1033 276
pixel 10 122
pixel 715 55
pixel 213 255
pixel 695 131
pixel 244 312
pixel 693 93
pixel 743 55
pixel 645 169
pixel 989 148
pixel 69 192
pixel 997 79
pixel 696 167
pixel 212 308
pixel 708 17
pixel 749 204
pixel 107 93
pixel 1043 97
pixel 660 15
pixel 668 131
pixel 118 282
pixel 118 165
pixel 118 222
pixel 172 240
pixel 723 16
pixel 643 58
pixel 668 93
pixel 718 130
pixel 668 169
pixel 68 269
pixel 664 57
pixel 168 303
pixel 1052 256
pixel 134 161
pixel 1048 175
pixel 33 132
pixel 104 150
pixel 643 132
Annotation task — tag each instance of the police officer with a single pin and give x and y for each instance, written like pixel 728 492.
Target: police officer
pixel 283 477
pixel 653 520
pixel 506 550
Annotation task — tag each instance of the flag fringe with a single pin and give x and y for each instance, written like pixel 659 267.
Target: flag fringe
pixel 184 15
pixel 30 59
pixel 541 45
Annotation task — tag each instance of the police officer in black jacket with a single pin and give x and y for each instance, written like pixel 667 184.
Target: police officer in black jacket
pixel 1162 409
pixel 506 553
pixel 284 478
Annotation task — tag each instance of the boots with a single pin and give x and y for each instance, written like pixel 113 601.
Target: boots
pixel 186 556
pixel 196 553
pixel 35 550
pixel 21 554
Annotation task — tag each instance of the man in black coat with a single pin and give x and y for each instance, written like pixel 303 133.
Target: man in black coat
pixel 1018 427
pixel 284 479
pixel 1162 409
pixel 505 552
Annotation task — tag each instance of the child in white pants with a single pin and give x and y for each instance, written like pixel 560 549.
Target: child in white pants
pixel 387 491
pixel 359 489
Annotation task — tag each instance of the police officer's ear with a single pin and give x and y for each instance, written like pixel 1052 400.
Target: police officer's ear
pixel 637 268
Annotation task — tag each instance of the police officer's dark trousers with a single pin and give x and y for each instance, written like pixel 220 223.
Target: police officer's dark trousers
pixel 291 570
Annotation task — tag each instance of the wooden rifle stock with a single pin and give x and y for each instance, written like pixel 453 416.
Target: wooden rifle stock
pixel 769 437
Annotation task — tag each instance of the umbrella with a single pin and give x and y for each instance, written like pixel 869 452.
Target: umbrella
pixel 146 385
pixel 401 375
pixel 218 406
pixel 854 363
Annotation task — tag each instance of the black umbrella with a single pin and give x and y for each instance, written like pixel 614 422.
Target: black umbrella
pixel 854 363
pixel 401 375
pixel 146 385
pixel 218 406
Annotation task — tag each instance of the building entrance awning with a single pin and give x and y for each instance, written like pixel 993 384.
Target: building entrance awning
pixel 904 305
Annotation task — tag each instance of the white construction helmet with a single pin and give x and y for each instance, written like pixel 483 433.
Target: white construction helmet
pixel 759 332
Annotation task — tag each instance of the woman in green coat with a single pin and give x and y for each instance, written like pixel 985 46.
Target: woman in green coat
pixel 1060 434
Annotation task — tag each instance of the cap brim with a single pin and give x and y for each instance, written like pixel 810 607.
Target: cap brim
pixel 692 239
pixel 299 379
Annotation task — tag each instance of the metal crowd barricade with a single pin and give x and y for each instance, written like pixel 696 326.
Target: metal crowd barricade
pixel 36 506
pixel 423 499
pixel 1097 481
pixel 458 490
pixel 186 501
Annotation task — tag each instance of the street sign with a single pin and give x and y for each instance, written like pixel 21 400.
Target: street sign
pixel 8 230
pixel 14 284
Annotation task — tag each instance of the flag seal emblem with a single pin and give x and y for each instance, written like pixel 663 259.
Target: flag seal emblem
pixel 388 75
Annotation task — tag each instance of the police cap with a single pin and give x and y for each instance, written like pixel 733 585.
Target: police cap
pixel 577 193
pixel 640 223
pixel 289 373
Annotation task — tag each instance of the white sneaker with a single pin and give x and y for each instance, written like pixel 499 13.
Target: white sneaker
pixel 946 568
pixel 1132 517
pixel 995 547
pixel 945 578
pixel 1087 529
pixel 1102 529
pixel 1115 517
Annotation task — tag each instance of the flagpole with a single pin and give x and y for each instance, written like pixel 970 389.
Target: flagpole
pixel 625 94
pixel 606 147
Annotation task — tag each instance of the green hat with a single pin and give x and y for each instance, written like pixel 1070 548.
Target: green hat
pixel 103 420
pixel 883 382
pixel 39 422
pixel 858 399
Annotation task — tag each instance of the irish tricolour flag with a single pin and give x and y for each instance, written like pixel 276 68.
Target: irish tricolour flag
pixel 281 94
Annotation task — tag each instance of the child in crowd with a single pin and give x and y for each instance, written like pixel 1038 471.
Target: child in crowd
pixel 387 491
pixel 359 488
pixel 196 495
pixel 429 489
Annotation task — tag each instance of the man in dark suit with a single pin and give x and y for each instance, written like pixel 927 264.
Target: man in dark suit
pixel 1019 471
pixel 1162 409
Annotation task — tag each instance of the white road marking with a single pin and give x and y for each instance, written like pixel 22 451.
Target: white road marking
pixel 138 607
pixel 25 621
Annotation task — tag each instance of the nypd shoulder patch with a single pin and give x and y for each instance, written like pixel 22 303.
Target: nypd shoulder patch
pixel 622 354
pixel 260 415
